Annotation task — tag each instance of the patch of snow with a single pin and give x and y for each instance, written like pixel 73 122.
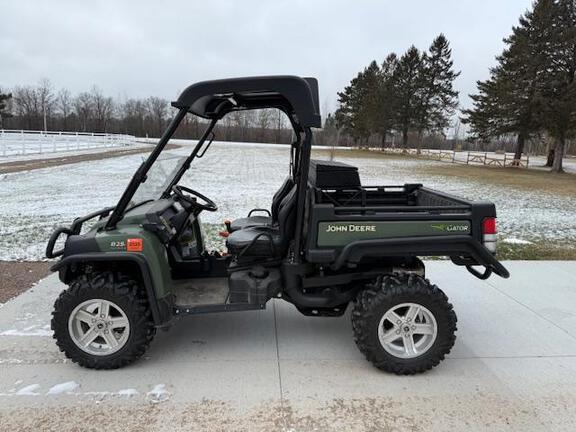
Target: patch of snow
pixel 67 387
pixel 158 394
pixel 13 389
pixel 29 390
pixel 11 361
pixel 517 241
pixel 128 392
pixel 34 330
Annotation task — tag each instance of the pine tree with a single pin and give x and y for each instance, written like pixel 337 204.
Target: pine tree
pixel 510 100
pixel 483 117
pixel 347 113
pixel 356 113
pixel 559 94
pixel 407 85
pixel 386 98
pixel 412 93
pixel 4 113
pixel 439 97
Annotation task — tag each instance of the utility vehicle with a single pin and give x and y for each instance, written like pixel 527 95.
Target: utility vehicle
pixel 327 241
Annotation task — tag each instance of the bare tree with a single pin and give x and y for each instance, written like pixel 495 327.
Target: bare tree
pixel 93 111
pixel 239 122
pixel 27 106
pixel 46 100
pixel 64 106
pixel 84 109
pixel 157 110
pixel 264 122
pixel 133 113
pixel 279 125
pixel 103 109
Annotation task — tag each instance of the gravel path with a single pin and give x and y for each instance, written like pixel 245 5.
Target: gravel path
pixel 17 276
pixel 33 164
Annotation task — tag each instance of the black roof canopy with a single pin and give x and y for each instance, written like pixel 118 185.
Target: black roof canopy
pixel 297 97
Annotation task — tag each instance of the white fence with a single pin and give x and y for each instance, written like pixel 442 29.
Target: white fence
pixel 501 160
pixel 22 142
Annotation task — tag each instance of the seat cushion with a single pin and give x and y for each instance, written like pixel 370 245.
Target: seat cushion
pixel 241 223
pixel 266 237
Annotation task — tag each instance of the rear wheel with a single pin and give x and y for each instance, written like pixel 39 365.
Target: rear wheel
pixel 103 320
pixel 403 324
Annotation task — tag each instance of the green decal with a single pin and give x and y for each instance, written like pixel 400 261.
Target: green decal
pixel 342 233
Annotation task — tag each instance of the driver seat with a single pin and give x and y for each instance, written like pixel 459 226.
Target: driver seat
pixel 250 221
pixel 267 241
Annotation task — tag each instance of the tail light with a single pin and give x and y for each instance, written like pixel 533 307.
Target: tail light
pixel 489 233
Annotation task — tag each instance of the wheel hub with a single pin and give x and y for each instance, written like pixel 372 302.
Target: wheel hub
pixel 407 330
pixel 99 327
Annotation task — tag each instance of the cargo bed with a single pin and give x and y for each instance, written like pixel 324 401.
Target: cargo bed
pixel 348 223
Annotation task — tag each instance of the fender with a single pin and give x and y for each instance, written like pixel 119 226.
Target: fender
pixel 450 245
pixel 160 308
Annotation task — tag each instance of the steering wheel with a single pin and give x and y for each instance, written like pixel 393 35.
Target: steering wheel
pixel 190 198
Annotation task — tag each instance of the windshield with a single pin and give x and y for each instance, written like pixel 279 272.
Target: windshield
pixel 158 178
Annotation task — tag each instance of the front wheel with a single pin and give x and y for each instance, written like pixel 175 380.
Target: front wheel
pixel 403 324
pixel 103 320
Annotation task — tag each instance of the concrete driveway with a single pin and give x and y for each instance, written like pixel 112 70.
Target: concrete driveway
pixel 513 368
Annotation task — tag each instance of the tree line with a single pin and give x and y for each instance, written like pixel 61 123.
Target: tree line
pixel 531 92
pixel 40 107
pixel 412 94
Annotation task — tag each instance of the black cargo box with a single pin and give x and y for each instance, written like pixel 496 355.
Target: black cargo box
pixel 332 174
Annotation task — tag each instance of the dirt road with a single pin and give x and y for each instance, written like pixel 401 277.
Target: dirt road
pixel 28 165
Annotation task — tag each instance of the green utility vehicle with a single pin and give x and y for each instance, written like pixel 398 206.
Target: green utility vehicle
pixel 326 241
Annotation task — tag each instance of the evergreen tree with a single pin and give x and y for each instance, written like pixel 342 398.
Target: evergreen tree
pixel 484 117
pixel 357 104
pixel 383 123
pixel 4 98
pixel 407 87
pixel 559 93
pixel 439 97
pixel 412 93
pixel 510 100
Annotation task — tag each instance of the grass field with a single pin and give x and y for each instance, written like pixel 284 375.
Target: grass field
pixel 535 180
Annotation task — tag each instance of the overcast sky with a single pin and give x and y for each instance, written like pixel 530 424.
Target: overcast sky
pixel 153 47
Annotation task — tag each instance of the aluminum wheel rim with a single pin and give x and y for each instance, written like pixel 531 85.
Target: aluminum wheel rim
pixel 407 330
pixel 99 327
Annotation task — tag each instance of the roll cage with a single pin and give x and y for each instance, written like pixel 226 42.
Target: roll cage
pixel 296 97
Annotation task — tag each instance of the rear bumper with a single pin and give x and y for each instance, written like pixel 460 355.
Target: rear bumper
pixel 463 249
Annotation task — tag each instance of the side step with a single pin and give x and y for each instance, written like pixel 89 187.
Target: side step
pixel 211 308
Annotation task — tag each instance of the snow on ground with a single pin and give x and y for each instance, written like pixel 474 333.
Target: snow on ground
pixel 239 177
pixel 538 162
pixel 512 240
pixel 33 330
pixel 157 394
pixel 29 390
pixel 66 387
